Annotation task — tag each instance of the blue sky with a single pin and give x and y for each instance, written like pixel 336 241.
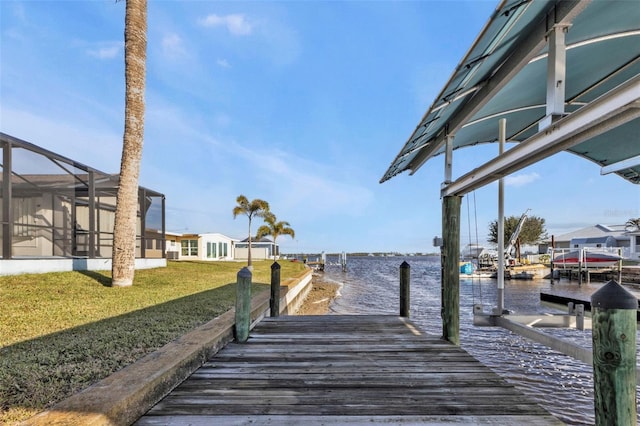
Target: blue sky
pixel 301 103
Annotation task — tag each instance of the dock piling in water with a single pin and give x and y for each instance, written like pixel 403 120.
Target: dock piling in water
pixel 450 253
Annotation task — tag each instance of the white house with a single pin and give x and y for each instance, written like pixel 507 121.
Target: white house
pixel 261 249
pixel 602 236
pixel 172 245
pixel 208 246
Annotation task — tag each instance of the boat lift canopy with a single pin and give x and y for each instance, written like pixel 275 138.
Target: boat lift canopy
pixel 564 74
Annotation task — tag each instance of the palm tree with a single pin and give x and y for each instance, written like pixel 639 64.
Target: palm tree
pixel 632 225
pixel 124 232
pixel 255 208
pixel 275 229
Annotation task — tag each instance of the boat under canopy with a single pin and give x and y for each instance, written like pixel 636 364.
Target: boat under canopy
pixel 586 258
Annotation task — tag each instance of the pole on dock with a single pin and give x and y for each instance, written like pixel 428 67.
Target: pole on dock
pixel 274 301
pixel 405 273
pixel 614 355
pixel 451 269
pixel 243 305
pixel 343 261
pixel 581 256
pixel 620 265
pixel 502 136
pixel 553 246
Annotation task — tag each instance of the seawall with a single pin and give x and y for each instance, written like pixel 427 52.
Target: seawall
pixel 127 394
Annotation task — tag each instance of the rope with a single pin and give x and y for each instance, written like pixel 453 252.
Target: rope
pixel 473 279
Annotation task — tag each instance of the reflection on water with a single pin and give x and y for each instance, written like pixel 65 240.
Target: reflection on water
pixel 561 384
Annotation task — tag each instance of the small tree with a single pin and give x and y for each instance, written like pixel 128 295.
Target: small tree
pixel 275 229
pixel 632 225
pixel 533 230
pixel 255 208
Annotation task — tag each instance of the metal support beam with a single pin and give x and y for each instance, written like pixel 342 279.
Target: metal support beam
pixel 448 160
pixel 611 110
pixel 142 196
pixel 556 75
pixel 164 229
pixel 92 214
pixel 621 165
pixel 502 136
pixel 7 219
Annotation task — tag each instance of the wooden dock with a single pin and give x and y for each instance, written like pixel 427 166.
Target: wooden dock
pixel 344 370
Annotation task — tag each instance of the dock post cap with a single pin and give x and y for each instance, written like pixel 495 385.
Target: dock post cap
pixel 613 296
pixel 275 265
pixel 405 264
pixel 244 273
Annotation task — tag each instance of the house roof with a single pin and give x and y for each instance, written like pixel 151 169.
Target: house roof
pixel 504 75
pixel 217 234
pixel 597 231
pixel 261 240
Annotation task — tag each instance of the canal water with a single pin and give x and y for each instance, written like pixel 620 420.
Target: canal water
pixel 561 384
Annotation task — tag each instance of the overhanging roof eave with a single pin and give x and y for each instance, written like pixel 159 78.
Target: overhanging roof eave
pixel 518 57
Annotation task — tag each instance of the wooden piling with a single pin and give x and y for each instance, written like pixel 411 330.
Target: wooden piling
pixel 243 305
pixel 614 355
pixel 450 269
pixel 405 272
pixel 274 301
pixel 580 316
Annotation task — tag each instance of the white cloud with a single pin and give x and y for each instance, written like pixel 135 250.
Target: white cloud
pixel 223 63
pixel 172 45
pixel 521 180
pixel 236 24
pixel 306 181
pixel 106 52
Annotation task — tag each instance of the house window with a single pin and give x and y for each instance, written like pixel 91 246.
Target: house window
pixel 222 248
pixel 148 244
pixel 189 247
pixel 211 250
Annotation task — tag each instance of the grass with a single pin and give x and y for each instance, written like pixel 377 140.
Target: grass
pixel 61 332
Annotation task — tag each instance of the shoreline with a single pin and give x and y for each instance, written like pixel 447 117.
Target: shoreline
pixel 320 296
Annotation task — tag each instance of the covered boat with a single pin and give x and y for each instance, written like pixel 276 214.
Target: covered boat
pixel 586 258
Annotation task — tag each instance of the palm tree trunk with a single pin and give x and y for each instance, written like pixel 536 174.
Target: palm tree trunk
pixel 124 233
pixel 249 252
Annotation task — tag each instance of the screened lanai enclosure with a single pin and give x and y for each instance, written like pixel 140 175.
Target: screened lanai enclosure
pixel 54 207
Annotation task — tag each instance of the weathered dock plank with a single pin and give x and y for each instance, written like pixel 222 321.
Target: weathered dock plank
pixel 344 370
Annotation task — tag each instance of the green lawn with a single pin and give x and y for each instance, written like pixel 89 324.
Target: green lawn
pixel 61 332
